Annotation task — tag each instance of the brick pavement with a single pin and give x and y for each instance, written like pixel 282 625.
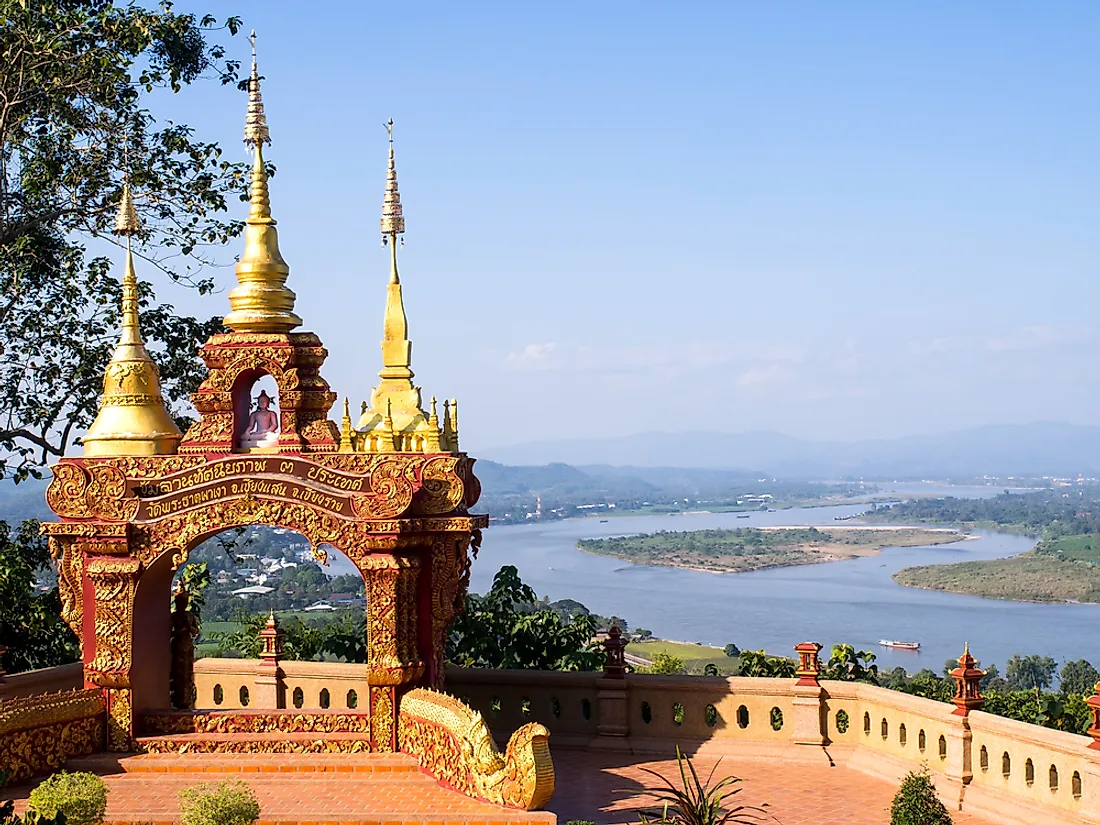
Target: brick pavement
pixel 314 789
pixel 610 789
pixel 341 789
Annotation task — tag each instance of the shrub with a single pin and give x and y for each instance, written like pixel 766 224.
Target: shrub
pixel 916 802
pixel 231 802
pixel 80 797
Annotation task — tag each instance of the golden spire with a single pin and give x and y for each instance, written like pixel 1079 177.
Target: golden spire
pixel 394 419
pixel 132 419
pixel 261 301
pixel 396 347
pixel 346 445
pixel 433 443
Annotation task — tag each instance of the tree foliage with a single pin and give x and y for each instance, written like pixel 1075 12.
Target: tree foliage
pixel 666 663
pixel 1079 677
pixel 30 620
pixel 846 664
pixel 508 628
pixel 759 663
pixel 1031 672
pixel 74 92
pixel 343 637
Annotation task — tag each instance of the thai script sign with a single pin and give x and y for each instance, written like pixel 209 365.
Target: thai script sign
pixel 287 478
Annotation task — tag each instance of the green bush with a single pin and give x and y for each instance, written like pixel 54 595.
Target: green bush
pixel 231 802
pixel 80 797
pixel 916 802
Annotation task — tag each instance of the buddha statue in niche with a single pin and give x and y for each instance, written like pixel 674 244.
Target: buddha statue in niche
pixel 262 429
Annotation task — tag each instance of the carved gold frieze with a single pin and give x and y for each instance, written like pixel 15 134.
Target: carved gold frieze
pixel 452 743
pixel 39 733
pixel 159 724
pixel 321 744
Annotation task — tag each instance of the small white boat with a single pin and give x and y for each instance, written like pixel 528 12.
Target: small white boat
pixel 899 645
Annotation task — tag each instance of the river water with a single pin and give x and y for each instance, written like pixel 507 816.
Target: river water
pixel 853 601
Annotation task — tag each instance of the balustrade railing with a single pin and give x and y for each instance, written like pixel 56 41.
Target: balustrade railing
pixel 1007 770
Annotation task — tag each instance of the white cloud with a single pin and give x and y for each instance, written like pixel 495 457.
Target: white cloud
pixel 1036 336
pixel 532 357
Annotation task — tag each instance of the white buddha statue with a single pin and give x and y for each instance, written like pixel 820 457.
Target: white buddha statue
pixel 262 429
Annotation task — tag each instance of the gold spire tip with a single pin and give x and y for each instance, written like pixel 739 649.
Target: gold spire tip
pixel 126 222
pixel 255 123
pixel 393 219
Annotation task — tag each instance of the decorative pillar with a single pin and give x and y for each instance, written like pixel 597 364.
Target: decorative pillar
pixel 270 692
pixel 960 739
pixel 612 696
pixel 808 702
pixel 114 580
pixel 392 659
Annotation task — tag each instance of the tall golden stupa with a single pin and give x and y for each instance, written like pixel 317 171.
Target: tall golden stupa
pixel 395 420
pixel 133 418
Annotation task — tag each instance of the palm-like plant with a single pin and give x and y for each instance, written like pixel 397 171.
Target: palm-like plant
pixel 694 802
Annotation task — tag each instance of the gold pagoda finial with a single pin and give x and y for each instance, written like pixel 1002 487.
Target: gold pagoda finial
pixel 433 440
pixel 395 419
pixel 396 347
pixel 261 301
pixel 133 418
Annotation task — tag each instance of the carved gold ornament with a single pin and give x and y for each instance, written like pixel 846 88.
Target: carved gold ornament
pixel 452 743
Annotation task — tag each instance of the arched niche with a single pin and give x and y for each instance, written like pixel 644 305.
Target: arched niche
pixel 153 598
pixel 247 389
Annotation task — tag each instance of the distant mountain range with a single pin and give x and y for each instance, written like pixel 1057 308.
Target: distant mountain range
pixel 1044 448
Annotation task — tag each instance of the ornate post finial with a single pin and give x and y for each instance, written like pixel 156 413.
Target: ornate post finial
pixel 261 301
pixel 968 694
pixel 614 663
pixel 809 665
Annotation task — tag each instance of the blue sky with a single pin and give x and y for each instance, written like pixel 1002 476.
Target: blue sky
pixel 836 220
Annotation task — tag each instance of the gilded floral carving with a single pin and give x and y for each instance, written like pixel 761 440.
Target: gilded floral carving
pixel 254 722
pixel 39 733
pixel 114 581
pixel 120 719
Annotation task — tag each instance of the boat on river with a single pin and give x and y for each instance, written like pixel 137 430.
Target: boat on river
pixel 899 645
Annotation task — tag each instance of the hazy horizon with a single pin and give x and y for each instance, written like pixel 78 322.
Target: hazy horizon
pixel 834 222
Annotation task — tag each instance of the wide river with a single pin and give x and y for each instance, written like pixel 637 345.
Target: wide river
pixel 852 601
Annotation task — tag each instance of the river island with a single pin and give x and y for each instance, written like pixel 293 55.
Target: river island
pixel 759 548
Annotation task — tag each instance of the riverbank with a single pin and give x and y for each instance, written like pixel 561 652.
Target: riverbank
pixel 762 548
pixel 1029 577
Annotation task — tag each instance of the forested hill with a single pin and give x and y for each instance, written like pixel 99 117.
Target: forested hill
pixel 1057 512
pixel 23 501
pixel 512 493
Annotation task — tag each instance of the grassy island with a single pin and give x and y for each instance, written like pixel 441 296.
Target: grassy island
pixel 752 548
pixel 1066 568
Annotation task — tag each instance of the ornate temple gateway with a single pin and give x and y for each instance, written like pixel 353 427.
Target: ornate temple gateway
pixel 392 492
